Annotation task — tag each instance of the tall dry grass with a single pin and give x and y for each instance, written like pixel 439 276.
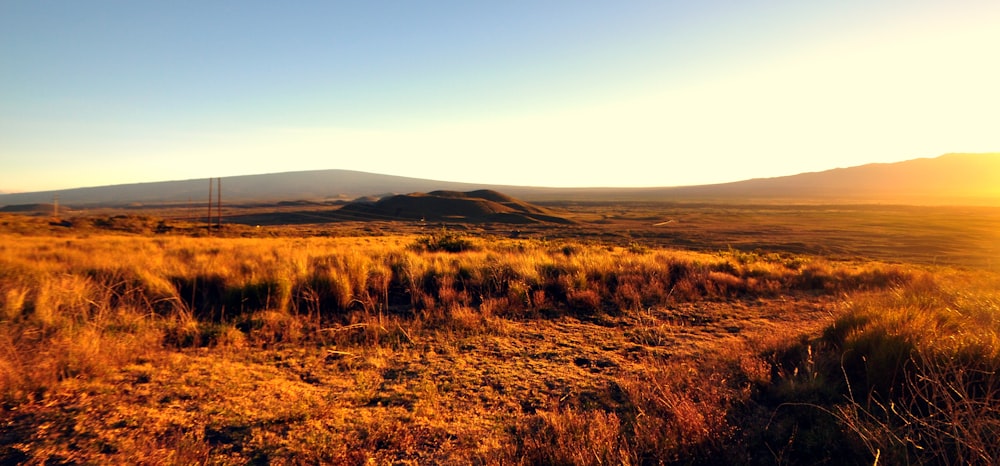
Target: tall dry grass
pixel 79 307
pixel 908 376
pixel 87 300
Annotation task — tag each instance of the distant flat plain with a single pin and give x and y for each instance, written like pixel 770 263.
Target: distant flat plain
pixel 941 235
pixel 966 236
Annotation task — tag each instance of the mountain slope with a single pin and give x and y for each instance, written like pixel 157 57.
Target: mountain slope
pixel 945 179
pixel 316 185
pixel 948 179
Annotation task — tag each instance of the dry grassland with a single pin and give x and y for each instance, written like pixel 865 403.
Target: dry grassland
pixel 446 348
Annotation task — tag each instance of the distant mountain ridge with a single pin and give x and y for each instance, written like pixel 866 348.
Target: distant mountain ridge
pixel 314 185
pixel 948 179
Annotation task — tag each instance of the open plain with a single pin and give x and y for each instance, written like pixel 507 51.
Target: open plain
pixel 627 333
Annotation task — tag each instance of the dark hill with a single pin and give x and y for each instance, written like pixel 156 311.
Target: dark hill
pixel 493 196
pixel 474 206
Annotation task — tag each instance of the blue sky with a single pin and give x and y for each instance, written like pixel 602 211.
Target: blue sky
pixel 552 93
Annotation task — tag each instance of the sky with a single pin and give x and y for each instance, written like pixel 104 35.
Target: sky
pixel 519 92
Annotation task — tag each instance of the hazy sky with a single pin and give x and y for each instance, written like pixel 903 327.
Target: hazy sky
pixel 538 92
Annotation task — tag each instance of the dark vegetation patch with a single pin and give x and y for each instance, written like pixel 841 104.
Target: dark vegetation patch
pixel 29 208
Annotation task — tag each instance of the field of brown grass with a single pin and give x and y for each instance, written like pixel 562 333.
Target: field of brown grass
pixel 133 340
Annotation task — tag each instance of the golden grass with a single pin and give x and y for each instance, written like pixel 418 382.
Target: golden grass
pixel 906 376
pixel 392 349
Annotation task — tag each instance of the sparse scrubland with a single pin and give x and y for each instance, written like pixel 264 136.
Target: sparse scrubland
pixel 443 348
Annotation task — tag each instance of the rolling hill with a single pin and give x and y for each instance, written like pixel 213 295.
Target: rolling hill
pixel 474 206
pixel 948 179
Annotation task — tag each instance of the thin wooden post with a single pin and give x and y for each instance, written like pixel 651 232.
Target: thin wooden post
pixel 209 218
pixel 219 196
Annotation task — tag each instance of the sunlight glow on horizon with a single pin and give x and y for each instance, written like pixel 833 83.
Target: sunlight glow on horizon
pixel 921 86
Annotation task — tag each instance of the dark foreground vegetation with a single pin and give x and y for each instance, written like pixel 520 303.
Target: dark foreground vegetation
pixel 450 348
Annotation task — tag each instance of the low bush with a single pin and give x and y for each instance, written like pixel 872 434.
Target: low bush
pixel 444 241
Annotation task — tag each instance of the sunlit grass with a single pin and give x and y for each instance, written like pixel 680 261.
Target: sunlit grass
pixel 909 374
pixel 371 347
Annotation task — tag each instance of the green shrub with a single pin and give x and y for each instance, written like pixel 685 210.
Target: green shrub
pixel 445 241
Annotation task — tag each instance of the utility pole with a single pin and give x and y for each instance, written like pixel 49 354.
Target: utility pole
pixel 219 209
pixel 55 207
pixel 209 218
